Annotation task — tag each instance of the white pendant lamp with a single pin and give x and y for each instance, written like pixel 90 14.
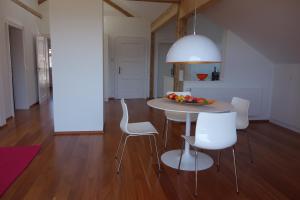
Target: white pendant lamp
pixel 194 49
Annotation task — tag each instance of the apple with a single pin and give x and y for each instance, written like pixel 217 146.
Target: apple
pixel 172 96
pixel 200 100
pixel 194 100
pixel 188 98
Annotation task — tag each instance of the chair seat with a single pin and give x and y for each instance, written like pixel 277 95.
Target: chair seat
pixel 179 117
pixel 141 128
pixel 191 141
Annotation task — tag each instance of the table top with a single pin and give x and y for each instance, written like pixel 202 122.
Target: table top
pixel 169 105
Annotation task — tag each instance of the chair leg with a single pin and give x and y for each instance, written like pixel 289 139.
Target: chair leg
pixel 196 177
pixel 166 134
pixel 150 144
pixel 249 147
pixel 158 161
pixel 116 155
pixel 179 164
pixel 235 170
pixel 120 161
pixel 219 158
pixel 164 129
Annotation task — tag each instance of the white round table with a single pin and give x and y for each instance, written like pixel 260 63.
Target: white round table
pixel 171 158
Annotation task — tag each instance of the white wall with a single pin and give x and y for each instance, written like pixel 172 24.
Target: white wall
pixel 246 73
pixel 286 96
pixel 10 12
pixel 77 43
pixel 114 27
pixel 206 27
pixel 44 22
pixel 269 25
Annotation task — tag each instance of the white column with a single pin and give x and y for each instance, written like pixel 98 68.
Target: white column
pixel 76 28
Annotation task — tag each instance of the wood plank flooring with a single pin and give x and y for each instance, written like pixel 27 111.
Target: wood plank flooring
pixel 83 167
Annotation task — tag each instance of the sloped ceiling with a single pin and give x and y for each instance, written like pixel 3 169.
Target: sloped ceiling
pixel 270 26
pixel 146 10
pixel 110 11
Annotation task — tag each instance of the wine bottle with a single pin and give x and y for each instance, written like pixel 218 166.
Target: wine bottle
pixel 215 76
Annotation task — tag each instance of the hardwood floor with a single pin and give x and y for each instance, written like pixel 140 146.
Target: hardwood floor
pixel 83 167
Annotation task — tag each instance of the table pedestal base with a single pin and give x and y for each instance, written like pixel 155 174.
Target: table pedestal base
pixel 171 159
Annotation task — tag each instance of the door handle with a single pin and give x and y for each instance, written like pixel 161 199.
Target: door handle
pixel 119 70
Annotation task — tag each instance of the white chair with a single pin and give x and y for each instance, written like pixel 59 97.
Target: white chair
pixel 214 131
pixel 241 107
pixel 175 117
pixel 134 130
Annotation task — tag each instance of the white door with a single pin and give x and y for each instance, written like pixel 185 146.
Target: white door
pixel 131 65
pixel 43 68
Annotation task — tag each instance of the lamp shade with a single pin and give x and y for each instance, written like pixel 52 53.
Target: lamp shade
pixel 194 49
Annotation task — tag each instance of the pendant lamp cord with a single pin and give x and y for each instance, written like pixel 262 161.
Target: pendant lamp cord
pixel 195 17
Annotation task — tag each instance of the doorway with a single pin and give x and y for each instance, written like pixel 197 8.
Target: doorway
pixel 18 70
pixel 165 71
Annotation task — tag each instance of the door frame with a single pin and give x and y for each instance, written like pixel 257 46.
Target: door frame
pixel 16 25
pixel 115 68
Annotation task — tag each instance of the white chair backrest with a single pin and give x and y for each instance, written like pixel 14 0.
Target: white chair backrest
pixel 215 130
pixel 241 107
pixel 180 93
pixel 124 120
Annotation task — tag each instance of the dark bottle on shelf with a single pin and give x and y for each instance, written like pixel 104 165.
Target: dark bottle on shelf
pixel 215 76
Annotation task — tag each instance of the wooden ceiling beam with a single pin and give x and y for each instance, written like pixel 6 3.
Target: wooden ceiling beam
pixel 187 7
pixel 159 1
pixel 117 7
pixel 182 10
pixel 165 17
pixel 41 1
pixel 27 8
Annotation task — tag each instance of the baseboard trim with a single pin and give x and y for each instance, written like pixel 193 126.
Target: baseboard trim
pixel 34 104
pixel 259 121
pixel 283 125
pixel 78 133
pixel 3 126
pixel 6 122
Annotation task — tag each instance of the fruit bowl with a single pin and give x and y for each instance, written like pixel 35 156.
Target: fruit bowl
pixel 202 77
pixel 190 99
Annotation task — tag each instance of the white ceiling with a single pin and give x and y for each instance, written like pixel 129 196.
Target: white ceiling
pixel 147 10
pixel 270 26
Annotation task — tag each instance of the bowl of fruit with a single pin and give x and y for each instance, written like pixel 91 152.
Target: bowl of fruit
pixel 190 99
